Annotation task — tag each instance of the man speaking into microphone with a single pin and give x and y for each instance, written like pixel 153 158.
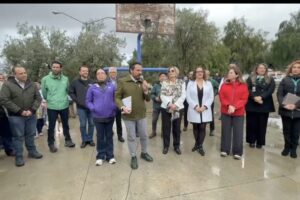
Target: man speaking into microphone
pixel 134 86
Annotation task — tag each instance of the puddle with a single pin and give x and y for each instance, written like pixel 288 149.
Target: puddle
pixel 275 122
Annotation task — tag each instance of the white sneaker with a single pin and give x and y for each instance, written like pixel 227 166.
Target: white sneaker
pixel 224 154
pixel 237 157
pixel 112 161
pixel 99 162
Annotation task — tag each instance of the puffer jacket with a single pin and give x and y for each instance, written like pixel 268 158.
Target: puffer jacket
pixel 235 94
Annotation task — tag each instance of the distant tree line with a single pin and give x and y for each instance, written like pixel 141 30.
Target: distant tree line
pixel 196 42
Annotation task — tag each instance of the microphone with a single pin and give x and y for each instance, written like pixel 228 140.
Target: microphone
pixel 142 78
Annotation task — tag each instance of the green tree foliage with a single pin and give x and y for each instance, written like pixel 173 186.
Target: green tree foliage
pixel 247 47
pixel 30 50
pixel 286 46
pixel 195 43
pixel 194 38
pixel 38 46
pixel 94 48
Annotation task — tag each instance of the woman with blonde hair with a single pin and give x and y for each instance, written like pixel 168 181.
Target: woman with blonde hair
pixel 288 110
pixel 172 96
pixel 200 96
pixel 260 104
pixel 233 96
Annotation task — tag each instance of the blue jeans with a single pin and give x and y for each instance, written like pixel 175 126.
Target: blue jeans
pixel 105 145
pixel 23 127
pixel 52 116
pixel 84 117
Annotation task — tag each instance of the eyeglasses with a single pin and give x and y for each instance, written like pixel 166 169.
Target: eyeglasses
pixel 112 72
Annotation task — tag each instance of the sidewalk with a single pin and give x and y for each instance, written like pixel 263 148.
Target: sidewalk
pixel 70 174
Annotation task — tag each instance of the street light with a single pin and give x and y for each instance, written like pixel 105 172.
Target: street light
pixel 83 23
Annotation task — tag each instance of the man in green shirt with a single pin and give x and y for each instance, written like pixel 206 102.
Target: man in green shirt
pixel 55 91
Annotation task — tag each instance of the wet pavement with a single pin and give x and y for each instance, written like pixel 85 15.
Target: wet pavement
pixel 71 174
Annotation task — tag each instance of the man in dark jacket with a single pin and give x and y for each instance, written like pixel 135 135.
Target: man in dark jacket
pixel 21 98
pixel 5 133
pixel 155 96
pixel 112 72
pixel 77 92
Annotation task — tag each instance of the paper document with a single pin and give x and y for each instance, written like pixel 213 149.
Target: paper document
pixel 127 102
pixel 290 99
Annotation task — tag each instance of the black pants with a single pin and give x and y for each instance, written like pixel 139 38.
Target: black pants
pixel 185 122
pixel 291 130
pixel 256 127
pixel 212 123
pixel 52 116
pixel 39 125
pixel 199 133
pixel 167 124
pixel 6 135
pixel 119 123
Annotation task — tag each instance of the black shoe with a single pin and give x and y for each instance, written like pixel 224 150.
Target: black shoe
pixel 184 129
pixel 92 143
pixel 195 148
pixel 19 161
pixel 83 145
pixel 211 133
pixel 121 139
pixel 201 151
pixel 285 152
pixel 258 146
pixel 251 145
pixel 10 153
pixel 293 154
pixel 69 143
pixel 146 157
pixel 165 150
pixel 35 155
pixel 52 148
pixel 177 150
pixel 134 163
pixel 152 135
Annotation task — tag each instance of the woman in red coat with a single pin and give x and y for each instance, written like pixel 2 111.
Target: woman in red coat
pixel 233 97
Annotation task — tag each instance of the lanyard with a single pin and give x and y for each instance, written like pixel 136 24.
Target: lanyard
pixel 295 84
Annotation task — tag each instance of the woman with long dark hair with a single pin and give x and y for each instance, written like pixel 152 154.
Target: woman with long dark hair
pixel 260 104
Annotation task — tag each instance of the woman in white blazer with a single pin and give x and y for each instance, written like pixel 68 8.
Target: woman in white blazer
pixel 199 95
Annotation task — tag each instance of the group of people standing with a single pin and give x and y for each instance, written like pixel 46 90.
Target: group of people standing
pixel 238 98
pixel 102 101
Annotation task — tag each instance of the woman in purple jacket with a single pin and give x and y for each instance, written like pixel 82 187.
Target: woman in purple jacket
pixel 100 100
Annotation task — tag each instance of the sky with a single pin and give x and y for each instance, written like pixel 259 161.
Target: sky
pixel 265 17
